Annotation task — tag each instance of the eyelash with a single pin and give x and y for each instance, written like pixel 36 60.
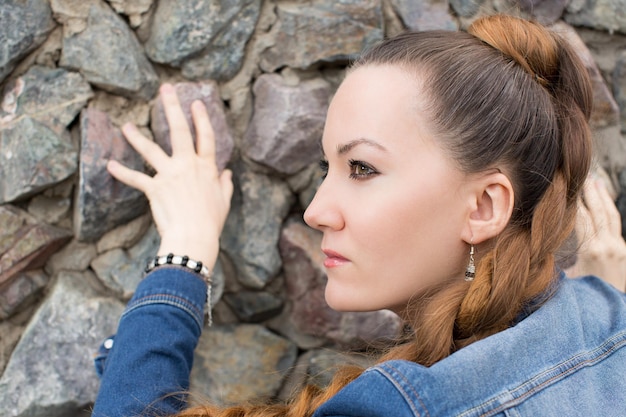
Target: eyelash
pixel 353 164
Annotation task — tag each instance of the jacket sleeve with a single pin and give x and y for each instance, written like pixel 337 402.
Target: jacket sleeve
pixel 147 368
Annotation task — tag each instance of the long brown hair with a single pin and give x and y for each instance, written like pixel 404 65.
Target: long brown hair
pixel 510 95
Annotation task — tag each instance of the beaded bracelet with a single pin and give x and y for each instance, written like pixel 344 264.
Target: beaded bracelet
pixel 184 261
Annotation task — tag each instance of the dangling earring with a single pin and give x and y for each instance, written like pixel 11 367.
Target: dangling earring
pixel 470 271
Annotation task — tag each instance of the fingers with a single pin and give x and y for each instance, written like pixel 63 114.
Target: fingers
pixel 613 218
pixel 128 176
pixel 226 183
pixel 205 137
pixel 150 151
pixel 601 208
pixel 180 134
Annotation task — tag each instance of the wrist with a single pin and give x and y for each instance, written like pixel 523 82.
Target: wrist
pixel 197 250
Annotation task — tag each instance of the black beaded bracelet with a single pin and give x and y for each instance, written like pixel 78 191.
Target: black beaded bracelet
pixel 184 261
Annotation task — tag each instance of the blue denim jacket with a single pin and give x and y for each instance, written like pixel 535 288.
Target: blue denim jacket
pixel 567 358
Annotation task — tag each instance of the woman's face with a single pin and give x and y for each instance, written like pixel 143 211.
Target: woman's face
pixel 393 206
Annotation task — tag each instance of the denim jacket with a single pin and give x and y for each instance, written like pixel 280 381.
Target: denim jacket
pixel 567 358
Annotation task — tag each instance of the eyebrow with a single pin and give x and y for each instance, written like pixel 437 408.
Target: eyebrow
pixel 346 147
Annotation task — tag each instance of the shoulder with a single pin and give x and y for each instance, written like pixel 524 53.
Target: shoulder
pixel 581 327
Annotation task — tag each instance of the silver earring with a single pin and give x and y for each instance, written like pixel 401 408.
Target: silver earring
pixel 470 271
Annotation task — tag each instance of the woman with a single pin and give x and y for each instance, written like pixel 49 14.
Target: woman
pixel 454 163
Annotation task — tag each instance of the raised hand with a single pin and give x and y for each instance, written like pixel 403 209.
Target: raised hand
pixel 189 199
pixel 598 227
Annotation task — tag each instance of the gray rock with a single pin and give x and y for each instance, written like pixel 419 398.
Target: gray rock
pixel 318 367
pixel 121 270
pixel 76 256
pixel 134 9
pixel 252 229
pixel 32 158
pixel 425 15
pixel 545 11
pixel 223 57
pixel 306 281
pixel 49 209
pixel 322 31
pixel 235 364
pixel 125 235
pixel 66 331
pixel 51 96
pixel 109 55
pixel 25 243
pixel 24 25
pixel 605 110
pixel 619 87
pixel 208 93
pixel 115 269
pixel 206 37
pixel 598 14
pixel 466 8
pixel 288 123
pixel 102 202
pixel 24 288
pixel 252 306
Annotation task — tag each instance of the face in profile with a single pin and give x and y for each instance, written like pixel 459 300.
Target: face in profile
pixel 392 205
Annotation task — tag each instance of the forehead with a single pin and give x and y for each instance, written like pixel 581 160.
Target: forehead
pixel 381 102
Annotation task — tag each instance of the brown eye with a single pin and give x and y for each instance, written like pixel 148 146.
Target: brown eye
pixel 361 170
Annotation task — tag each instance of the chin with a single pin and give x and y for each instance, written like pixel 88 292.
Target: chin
pixel 345 304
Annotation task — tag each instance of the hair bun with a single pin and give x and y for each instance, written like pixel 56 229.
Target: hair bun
pixel 529 44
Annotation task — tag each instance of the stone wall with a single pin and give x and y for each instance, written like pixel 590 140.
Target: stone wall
pixel 73 242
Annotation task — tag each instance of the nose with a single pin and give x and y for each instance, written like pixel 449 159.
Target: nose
pixel 324 212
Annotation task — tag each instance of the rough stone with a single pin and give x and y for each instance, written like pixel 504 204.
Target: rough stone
pixel 223 57
pixel 23 289
pixel 605 109
pixel 250 236
pixel 252 306
pixel 305 281
pixel 121 270
pixel 466 8
pixel 102 202
pixel 32 158
pixel 235 364
pixel 66 331
pixel 125 235
pixel 49 209
pixel 425 15
pixel 598 14
pixel 322 31
pixel 206 37
pixel 51 96
pixel 208 93
pixel 25 243
pixel 619 87
pixel 288 123
pixel 76 256
pixel 24 25
pixel 122 110
pixel 544 11
pixel 318 367
pixel 109 55
pixel 134 9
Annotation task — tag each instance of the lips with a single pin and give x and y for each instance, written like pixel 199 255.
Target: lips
pixel 333 259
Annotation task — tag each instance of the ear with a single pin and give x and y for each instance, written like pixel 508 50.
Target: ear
pixel 491 205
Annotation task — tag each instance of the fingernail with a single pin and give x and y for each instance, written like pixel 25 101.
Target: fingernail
pixel 167 88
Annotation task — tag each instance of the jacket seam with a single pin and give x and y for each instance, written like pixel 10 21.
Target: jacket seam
pixel 168 299
pixel 405 395
pixel 538 383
